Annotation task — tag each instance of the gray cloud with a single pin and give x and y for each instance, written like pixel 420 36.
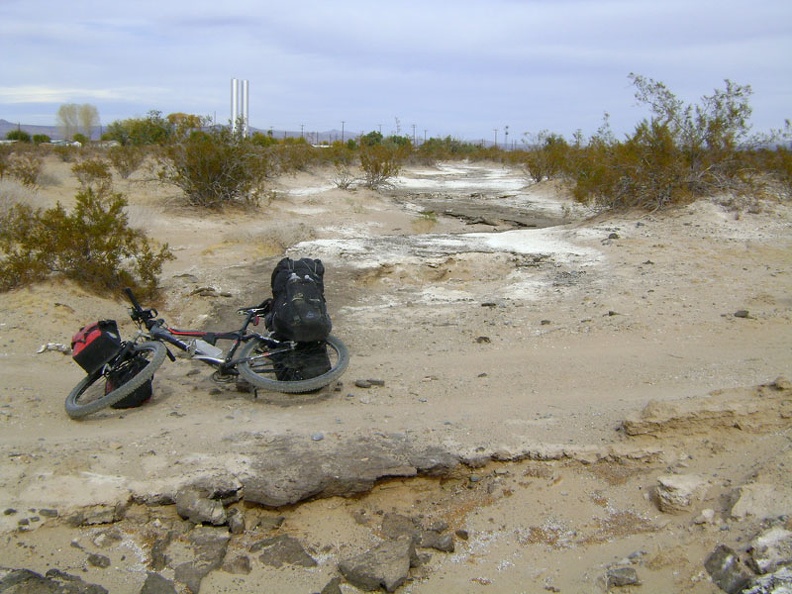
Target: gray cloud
pixel 459 68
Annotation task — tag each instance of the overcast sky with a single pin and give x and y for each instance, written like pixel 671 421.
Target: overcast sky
pixel 462 68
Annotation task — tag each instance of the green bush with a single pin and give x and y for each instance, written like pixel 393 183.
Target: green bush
pixel 93 246
pixel 25 166
pixel 546 156
pixel 151 130
pixel 18 135
pixel 382 160
pixel 214 168
pixel 680 152
pixel 93 173
pixel 126 159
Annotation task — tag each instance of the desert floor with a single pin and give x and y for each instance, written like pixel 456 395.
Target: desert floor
pixel 521 350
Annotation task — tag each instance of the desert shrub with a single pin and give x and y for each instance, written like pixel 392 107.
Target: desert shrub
pixel 681 152
pixel 778 163
pixel 66 153
pixel 444 149
pixel 41 139
pixel 382 160
pixel 545 157
pixel 214 168
pixel 25 166
pixel 126 159
pixel 93 173
pixel 343 179
pixel 294 154
pixel 340 154
pixel 92 245
pixel 11 193
pixel 5 160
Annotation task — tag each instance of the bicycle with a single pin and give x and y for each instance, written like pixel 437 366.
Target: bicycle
pixel 262 360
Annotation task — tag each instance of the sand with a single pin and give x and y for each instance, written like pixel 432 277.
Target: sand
pixel 525 349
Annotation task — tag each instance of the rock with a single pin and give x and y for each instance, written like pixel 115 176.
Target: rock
pixel 25 581
pixel 209 546
pixel 430 539
pixel 333 587
pixel 156 584
pixel 761 500
pixel 238 565
pixel 707 516
pixel 618 577
pixel 779 582
pixel 285 475
pixel 236 521
pixel 282 550
pixel 219 485
pixel 396 525
pixel 726 570
pixel 675 493
pixel 385 566
pixel 771 550
pixel 100 513
pixel 98 560
pixel 192 506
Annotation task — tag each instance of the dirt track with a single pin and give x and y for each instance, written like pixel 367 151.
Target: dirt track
pixel 493 343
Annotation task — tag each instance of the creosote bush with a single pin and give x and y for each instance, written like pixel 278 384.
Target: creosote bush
pixel 382 159
pixel 91 245
pixel 126 159
pixel 214 168
pixel 25 166
pixel 678 154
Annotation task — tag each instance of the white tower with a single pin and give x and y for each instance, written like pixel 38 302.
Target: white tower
pixel 239 106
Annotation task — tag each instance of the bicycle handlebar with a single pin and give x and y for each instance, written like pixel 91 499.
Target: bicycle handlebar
pixel 138 314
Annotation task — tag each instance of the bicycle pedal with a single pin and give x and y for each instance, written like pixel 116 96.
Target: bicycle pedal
pixel 224 378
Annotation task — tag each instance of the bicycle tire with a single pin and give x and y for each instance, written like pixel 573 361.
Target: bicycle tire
pixel 247 369
pixel 91 394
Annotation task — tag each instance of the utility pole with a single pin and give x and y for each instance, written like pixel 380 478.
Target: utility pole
pixel 496 137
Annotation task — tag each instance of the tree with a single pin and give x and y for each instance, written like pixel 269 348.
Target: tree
pixel 88 117
pixel 18 135
pixel 73 119
pixel 67 120
pixel 153 129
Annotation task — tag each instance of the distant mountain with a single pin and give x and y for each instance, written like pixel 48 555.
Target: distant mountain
pixel 51 131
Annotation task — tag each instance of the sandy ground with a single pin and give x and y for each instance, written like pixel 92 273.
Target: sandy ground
pixel 527 347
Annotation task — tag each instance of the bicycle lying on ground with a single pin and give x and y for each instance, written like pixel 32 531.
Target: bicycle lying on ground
pixel 262 360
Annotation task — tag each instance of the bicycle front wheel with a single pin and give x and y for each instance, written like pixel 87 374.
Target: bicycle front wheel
pixel 303 367
pixel 102 388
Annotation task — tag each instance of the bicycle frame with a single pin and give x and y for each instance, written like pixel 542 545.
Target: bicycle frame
pixel 158 330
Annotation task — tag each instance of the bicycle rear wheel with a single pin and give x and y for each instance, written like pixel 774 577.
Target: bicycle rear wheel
pixel 101 389
pixel 304 367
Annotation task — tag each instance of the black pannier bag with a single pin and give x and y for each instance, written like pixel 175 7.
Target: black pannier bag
pixel 306 361
pixel 119 377
pixel 299 309
pixel 95 344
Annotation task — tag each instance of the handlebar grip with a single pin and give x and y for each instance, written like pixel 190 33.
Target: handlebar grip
pixel 132 299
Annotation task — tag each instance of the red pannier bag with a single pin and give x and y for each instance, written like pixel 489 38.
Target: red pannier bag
pixel 95 344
